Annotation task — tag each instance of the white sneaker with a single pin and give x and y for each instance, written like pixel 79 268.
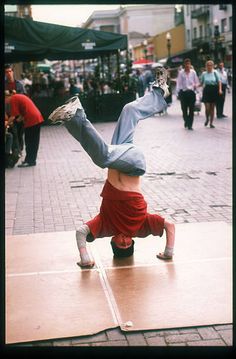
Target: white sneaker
pixel 67 111
pixel 161 78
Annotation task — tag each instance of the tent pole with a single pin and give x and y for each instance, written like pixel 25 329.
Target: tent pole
pixel 127 61
pixel 84 69
pixel 102 62
pixel 118 63
pixel 109 67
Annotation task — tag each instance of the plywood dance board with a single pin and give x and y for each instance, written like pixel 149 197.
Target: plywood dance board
pixel 49 296
pixel 193 289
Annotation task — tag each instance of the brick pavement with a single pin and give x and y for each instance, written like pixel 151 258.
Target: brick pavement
pixel 188 179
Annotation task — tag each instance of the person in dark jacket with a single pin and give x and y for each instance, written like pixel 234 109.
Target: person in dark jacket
pixel 11 84
pixel 187 83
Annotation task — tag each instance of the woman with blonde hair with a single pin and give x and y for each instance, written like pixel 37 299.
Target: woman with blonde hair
pixel 212 88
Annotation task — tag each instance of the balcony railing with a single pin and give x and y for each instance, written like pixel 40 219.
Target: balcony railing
pixel 200 12
pixel 200 40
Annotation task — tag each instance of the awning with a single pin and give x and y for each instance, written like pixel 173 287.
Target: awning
pixel 142 62
pixel 28 40
pixel 178 58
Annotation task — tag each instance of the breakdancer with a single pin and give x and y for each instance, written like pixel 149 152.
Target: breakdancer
pixel 123 212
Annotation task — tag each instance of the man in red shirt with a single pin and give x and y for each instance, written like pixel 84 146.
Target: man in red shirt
pixel 123 212
pixel 22 108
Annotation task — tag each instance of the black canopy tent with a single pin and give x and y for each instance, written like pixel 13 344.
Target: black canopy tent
pixel 27 40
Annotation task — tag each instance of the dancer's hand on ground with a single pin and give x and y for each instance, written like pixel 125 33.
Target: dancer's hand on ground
pixel 86 265
pixel 163 256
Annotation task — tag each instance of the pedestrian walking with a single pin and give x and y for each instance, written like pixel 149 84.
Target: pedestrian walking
pixel 11 84
pixel 147 78
pixel 123 212
pixel 23 109
pixel 140 83
pixel 169 98
pixel 229 77
pixel 224 84
pixel 187 83
pixel 211 83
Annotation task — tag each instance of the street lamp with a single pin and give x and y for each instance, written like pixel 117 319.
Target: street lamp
pixel 145 49
pixel 201 56
pixel 129 57
pixel 168 43
pixel 216 40
pixel 131 51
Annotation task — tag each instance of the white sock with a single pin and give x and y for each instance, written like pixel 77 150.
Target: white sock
pixel 81 235
pixel 169 251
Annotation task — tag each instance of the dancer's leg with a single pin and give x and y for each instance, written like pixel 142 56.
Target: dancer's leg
pixel 146 106
pixel 91 141
pixel 124 157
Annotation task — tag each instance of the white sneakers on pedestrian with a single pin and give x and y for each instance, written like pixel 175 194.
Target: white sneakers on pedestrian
pixel 161 78
pixel 67 111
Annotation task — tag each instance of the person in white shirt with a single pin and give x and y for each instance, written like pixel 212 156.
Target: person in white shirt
pixel 187 83
pixel 224 85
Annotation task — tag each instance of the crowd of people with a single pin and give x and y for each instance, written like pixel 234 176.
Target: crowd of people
pixel 46 84
pixel 214 83
pixel 23 119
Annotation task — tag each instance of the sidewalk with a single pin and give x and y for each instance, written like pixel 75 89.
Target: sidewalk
pixel 188 179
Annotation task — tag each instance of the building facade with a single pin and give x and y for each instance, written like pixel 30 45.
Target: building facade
pixel 208 28
pixel 163 46
pixel 138 22
pixel 18 10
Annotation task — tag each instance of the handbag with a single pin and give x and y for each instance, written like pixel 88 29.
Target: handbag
pixel 198 102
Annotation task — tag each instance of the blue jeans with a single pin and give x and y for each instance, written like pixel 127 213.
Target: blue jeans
pixel 122 154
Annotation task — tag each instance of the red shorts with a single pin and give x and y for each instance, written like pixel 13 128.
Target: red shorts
pixel 124 212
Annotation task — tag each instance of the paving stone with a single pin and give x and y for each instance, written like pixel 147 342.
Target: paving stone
pixel 182 338
pixel 188 331
pixel 62 343
pixel 152 333
pixel 90 338
pixel 156 341
pixel 207 343
pixel 223 327
pixel 208 333
pixel 168 332
pixel 115 334
pixel 227 336
pixel 135 339
pixel 112 343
